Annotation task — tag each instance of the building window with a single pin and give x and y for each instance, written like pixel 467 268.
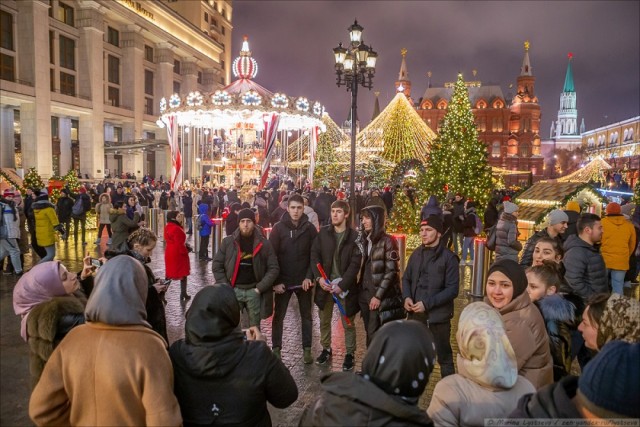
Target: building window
pixel 176 66
pixel 214 22
pixel 52 79
pixel 117 134
pixel 524 151
pixel 113 37
pixel 67 53
pixel 151 135
pixel 495 149
pixel 7 67
pixel 223 13
pixel 148 106
pixel 148 53
pixel 113 69
pixel 113 96
pixel 199 77
pixel 6 30
pixel 51 48
pixel 67 84
pixel 148 82
pixel 206 17
pixel 176 87
pixel 65 13
pixel 223 30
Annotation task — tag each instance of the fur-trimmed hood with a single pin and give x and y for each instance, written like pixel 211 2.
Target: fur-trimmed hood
pixel 556 308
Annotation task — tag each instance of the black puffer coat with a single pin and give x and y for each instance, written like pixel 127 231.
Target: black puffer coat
pixel 348 399
pixel 558 315
pixel 350 258
pixel 585 269
pixel 383 256
pixel 292 246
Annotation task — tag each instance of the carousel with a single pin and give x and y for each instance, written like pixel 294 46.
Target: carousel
pixel 239 134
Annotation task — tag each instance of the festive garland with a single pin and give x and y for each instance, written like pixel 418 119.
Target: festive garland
pixel 602 199
pixel 14 184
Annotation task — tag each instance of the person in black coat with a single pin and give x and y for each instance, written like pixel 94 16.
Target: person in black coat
pixel 322 206
pixel 163 203
pixel 336 250
pixel 64 205
pixel 430 283
pixel 231 223
pixel 81 217
pixel 491 214
pixel 223 376
pixel 458 218
pixel 380 296
pixel 395 372
pixel 291 239
pixel 187 209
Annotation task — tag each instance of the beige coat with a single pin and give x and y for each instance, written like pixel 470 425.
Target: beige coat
pixel 459 401
pixel 528 336
pixel 120 375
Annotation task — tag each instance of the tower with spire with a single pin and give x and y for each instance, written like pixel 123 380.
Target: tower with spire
pixel 567 133
pixel 403 84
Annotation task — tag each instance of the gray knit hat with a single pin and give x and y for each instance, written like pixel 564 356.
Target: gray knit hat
pixel 557 216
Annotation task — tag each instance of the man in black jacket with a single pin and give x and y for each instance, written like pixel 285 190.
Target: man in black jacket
pixel 430 283
pixel 335 248
pixel 291 239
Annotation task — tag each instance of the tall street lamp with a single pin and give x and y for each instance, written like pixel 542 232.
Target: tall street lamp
pixel 355 66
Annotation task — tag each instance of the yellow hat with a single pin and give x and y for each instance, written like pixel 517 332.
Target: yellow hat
pixel 573 206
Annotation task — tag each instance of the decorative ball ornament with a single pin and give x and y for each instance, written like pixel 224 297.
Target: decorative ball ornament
pixel 174 101
pixel 194 99
pixel 280 100
pixel 317 109
pixel 244 66
pixel 302 104
pixel 163 105
pixel 251 98
pixel 221 97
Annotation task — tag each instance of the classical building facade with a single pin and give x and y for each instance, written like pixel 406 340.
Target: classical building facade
pixel 508 125
pixel 617 143
pixel 81 80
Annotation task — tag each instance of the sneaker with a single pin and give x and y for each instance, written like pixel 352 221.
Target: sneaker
pixel 276 351
pixel 324 356
pixel 347 365
pixel 307 358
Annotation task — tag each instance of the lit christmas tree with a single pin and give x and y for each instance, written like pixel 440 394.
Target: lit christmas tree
pixel 405 216
pixel 71 181
pixel 327 171
pixel 458 159
pixel 33 180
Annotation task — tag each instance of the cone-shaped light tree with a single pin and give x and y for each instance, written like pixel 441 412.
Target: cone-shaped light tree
pixel 458 159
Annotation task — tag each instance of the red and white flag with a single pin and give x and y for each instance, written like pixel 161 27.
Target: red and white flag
pixel 176 158
pixel 270 132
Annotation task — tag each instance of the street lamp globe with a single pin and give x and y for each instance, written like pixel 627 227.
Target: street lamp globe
pixel 340 53
pixel 371 60
pixel 355 34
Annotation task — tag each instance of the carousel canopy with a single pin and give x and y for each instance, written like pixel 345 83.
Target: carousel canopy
pixel 243 102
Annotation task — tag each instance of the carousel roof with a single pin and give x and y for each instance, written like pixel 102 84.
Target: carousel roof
pixel 242 102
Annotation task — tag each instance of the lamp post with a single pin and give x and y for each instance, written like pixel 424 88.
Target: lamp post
pixel 355 66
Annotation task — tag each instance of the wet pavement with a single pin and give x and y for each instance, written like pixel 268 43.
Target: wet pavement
pixel 14 359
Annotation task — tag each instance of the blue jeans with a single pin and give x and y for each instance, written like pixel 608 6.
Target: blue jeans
pixel 189 223
pixel 617 280
pixel 467 247
pixel 10 248
pixel 51 253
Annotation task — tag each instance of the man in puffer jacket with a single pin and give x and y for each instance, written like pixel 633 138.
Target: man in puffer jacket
pixel 507 244
pixel 618 243
pixel 379 275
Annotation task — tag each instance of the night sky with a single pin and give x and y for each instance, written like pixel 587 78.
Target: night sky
pixel 293 41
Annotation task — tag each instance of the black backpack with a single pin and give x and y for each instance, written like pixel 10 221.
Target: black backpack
pixel 78 207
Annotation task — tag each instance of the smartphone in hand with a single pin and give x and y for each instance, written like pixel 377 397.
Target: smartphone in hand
pixel 96 263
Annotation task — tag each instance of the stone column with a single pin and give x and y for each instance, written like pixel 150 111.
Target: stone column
pixel 33 67
pixel 163 84
pixel 133 78
pixel 64 133
pixel 163 163
pixel 7 142
pixel 189 71
pixel 91 85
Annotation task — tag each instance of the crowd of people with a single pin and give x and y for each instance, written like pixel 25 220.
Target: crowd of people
pixel 556 298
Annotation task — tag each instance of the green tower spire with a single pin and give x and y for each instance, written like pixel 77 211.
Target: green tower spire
pixel 568 80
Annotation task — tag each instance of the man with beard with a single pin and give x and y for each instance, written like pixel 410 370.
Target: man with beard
pixel 292 238
pixel 247 262
pixel 336 250
pixel 430 283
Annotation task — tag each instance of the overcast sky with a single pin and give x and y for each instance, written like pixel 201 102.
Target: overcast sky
pixel 293 41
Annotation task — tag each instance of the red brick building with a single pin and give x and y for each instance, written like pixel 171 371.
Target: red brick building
pixel 508 125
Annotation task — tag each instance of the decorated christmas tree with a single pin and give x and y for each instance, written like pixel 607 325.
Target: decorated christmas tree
pixel 405 216
pixel 71 181
pixel 33 180
pixel 458 159
pixel 327 171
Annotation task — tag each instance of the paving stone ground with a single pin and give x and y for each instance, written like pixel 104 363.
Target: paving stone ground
pixel 14 371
